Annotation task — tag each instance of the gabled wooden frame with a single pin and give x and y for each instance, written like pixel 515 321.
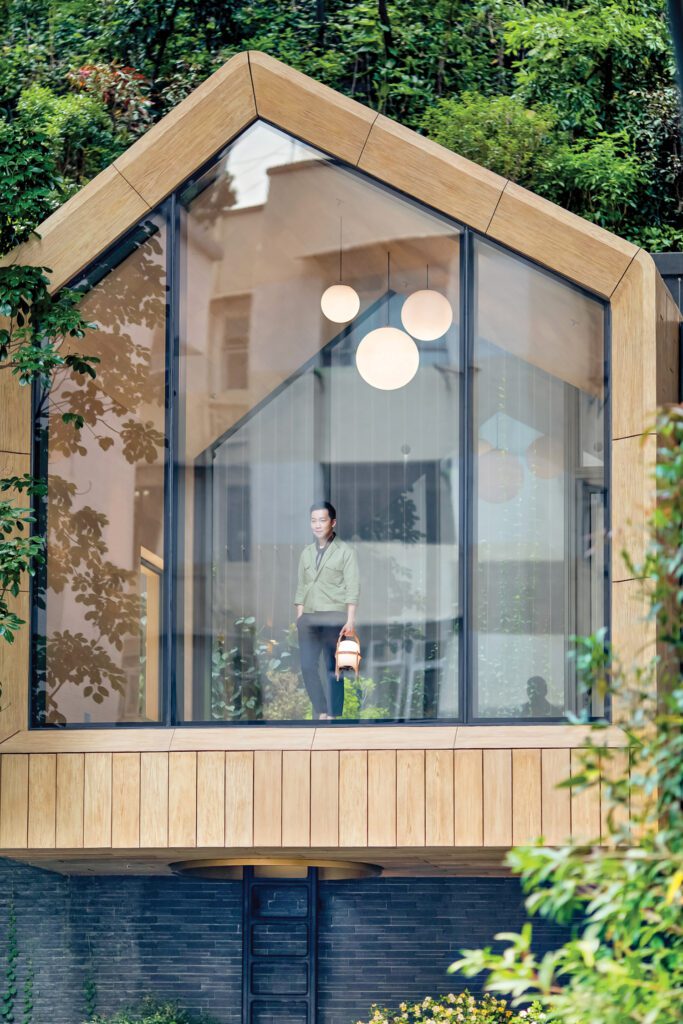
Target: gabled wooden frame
pixel 50 778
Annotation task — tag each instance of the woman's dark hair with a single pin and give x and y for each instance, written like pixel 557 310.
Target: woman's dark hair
pixel 318 506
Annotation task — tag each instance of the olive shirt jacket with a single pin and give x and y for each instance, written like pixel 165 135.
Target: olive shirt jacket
pixel 334 584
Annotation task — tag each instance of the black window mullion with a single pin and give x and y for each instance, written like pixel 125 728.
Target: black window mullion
pixel 466 475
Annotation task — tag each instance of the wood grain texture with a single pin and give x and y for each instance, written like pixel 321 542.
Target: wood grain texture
pixel 15 415
pixel 468 798
pixel 526 796
pixel 191 133
pixel 70 800
pixel 497 797
pixel 125 800
pixel 239 798
pixel 324 798
pixel 296 798
pixel 97 800
pixel 385 737
pixel 422 168
pixel 556 823
pixel 439 798
pixel 410 797
pixel 56 741
pixel 585 807
pixel 558 239
pixel 153 799
pixel 268 798
pixel 182 798
pixel 14 669
pixel 382 797
pixel 309 110
pixel 42 800
pixel 613 815
pixel 77 232
pixel 210 798
pixel 633 498
pixel 633 636
pixel 634 349
pixel 14 801
pixel 353 798
pixel 668 318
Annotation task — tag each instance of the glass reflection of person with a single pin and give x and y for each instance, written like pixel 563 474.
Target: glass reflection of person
pixel 326 599
pixel 537 704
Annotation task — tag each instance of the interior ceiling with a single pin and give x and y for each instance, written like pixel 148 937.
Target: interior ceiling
pixel 445 862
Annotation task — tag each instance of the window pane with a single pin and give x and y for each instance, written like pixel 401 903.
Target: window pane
pixel 539 416
pixel 97 642
pixel 275 416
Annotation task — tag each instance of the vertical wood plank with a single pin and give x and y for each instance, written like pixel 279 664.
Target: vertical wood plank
pixel 239 798
pixel 210 798
pixel 353 798
pixel 14 801
pixel 614 768
pixel 42 800
pixel 439 798
pixel 468 798
pixel 97 782
pixel 381 798
pixel 125 800
pixel 70 801
pixel 410 797
pixel 14 659
pixel 497 798
pixel 154 799
pixel 526 796
pixel 585 808
pixel 556 822
pixel 296 798
pixel 325 798
pixel 267 798
pixel 182 798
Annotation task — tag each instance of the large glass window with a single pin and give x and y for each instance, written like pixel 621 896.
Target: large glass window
pixel 98 606
pixel 538 574
pixel 276 417
pixel 321 408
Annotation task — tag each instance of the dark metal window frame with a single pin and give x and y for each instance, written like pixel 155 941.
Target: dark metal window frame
pixel 171 657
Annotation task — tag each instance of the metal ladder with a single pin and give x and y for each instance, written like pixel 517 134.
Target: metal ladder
pixel 279 949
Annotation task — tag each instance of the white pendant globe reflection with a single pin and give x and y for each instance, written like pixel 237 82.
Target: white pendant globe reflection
pixel 387 358
pixel 427 315
pixel 500 475
pixel 340 303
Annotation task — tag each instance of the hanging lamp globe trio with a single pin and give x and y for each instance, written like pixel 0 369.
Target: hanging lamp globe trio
pixel 387 357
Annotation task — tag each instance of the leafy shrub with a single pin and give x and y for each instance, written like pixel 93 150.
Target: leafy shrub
pixel 462 1008
pixel 149 1011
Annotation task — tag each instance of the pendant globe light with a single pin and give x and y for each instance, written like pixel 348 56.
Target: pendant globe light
pixel 545 457
pixel 426 314
pixel 387 358
pixel 340 302
pixel 500 474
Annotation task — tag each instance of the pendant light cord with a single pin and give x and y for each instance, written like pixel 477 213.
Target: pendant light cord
pixel 388 284
pixel 340 250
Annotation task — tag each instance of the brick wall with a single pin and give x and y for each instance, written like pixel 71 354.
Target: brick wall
pixel 380 940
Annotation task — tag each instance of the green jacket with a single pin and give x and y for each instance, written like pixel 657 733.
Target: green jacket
pixel 336 582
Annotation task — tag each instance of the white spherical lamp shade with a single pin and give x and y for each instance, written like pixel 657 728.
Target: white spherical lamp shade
pixel 427 315
pixel 387 358
pixel 340 303
pixel 545 457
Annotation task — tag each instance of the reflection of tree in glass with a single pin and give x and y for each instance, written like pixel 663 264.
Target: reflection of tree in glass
pixel 108 412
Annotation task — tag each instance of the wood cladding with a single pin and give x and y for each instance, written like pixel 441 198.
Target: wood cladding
pixel 331 799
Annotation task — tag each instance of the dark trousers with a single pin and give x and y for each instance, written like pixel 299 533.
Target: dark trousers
pixel 318 635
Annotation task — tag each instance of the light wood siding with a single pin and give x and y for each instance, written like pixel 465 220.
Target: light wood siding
pixel 375 800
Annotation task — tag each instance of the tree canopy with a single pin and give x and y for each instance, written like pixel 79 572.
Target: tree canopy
pixel 575 99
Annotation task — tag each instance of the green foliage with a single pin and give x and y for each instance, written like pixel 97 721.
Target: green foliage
pixel 462 1008
pixel 27 1016
pixel 151 1011
pixel 500 133
pixel 624 960
pixel 90 996
pixel 78 129
pixel 574 99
